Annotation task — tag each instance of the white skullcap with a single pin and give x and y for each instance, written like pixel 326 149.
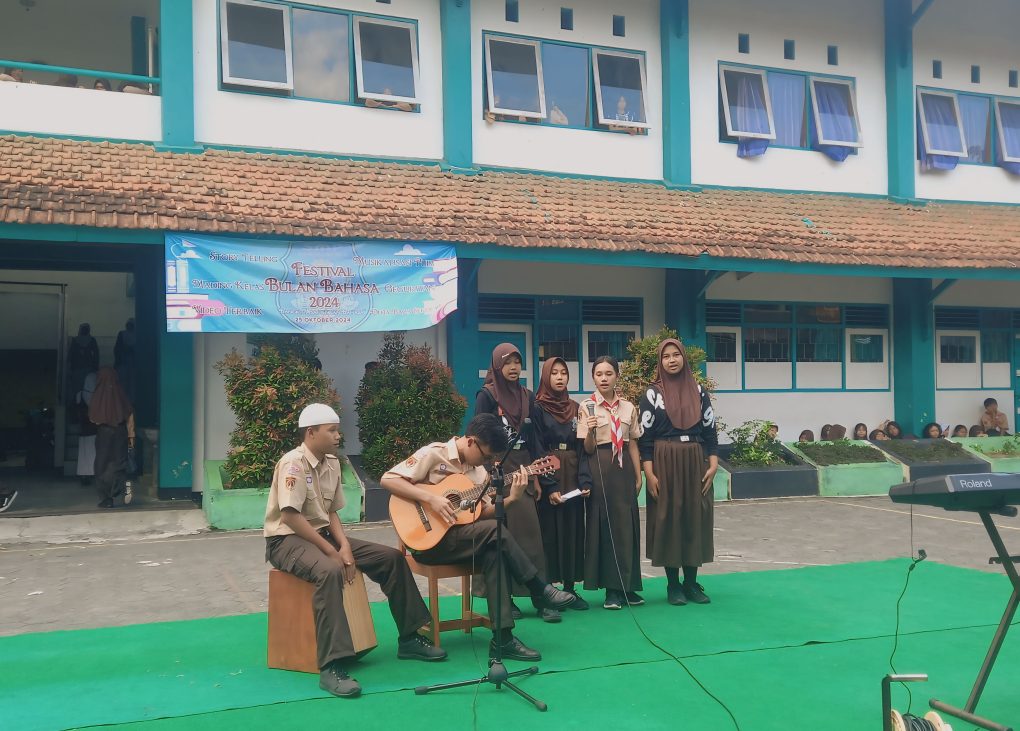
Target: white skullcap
pixel 315 414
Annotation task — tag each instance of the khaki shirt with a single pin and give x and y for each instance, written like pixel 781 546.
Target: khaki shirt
pixel 630 423
pixel 432 464
pixel 311 486
pixel 1000 422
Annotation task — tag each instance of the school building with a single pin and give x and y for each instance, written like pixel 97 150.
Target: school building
pixel 823 194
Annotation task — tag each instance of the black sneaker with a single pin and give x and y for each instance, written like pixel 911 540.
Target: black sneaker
pixel 6 501
pixel 553 598
pixel 696 593
pixel 675 595
pixel 579 604
pixel 552 616
pixel 514 649
pixel 515 611
pixel 420 648
pixel 335 679
pixel 634 599
pixel 614 600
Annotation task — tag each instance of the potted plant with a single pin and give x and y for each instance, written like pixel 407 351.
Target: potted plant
pixel 848 467
pixel 932 457
pixel 1001 453
pixel 759 466
pixel 638 370
pixel 266 392
pixel 406 400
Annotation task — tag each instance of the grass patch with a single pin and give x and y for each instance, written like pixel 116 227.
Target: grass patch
pixel 826 454
pixel 927 450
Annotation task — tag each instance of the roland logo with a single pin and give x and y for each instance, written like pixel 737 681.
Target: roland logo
pixel 975 484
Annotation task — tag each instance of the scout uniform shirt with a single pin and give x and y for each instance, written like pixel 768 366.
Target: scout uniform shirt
pixel 432 464
pixel 309 485
pixel 625 411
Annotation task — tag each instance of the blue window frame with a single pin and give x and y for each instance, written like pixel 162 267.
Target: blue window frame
pixel 560 84
pixel 867 348
pixel 319 54
pixel 958 349
pixel 985 332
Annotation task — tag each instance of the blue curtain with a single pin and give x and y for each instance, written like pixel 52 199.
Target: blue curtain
pixel 1010 116
pixel 975 115
pixel 748 112
pixel 836 119
pixel 943 131
pixel 789 97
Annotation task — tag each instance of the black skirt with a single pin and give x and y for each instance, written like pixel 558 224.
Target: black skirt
pixel 679 523
pixel 563 525
pixel 613 541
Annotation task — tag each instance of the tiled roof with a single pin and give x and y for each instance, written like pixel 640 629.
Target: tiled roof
pixel 133 186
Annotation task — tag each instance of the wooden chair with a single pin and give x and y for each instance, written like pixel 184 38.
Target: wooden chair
pixel 291 644
pixel 469 619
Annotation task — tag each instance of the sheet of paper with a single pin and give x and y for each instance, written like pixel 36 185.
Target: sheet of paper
pixel 571 494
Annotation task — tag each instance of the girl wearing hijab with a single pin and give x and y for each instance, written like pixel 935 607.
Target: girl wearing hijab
pixel 562 521
pixel 610 428
pixel 114 418
pixel 679 454
pixel 503 395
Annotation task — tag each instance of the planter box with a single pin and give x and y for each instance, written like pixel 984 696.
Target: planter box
pixel 789 480
pixel 990 444
pixel 859 478
pixel 245 508
pixel 966 465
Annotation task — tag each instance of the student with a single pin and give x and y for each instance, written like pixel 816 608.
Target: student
pixel 960 430
pixel 932 431
pixel 977 431
pixel 485 439
pixel 860 431
pixel 110 410
pixel 102 85
pixel 610 427
pixel 773 432
pixel 806 436
pixel 304 537
pixel 505 397
pixel 562 521
pixel 893 430
pixel 12 74
pixel 679 454
pixel 68 80
pixel 836 432
pixel 823 435
pixel 378 104
pixel 877 435
pixel 992 418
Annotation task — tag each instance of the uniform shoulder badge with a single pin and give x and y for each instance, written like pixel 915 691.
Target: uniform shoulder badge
pixel 411 461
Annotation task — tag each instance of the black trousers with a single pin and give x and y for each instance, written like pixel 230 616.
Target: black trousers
pixel 384 565
pixel 476 544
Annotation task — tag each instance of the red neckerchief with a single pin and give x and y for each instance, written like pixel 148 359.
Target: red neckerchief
pixel 615 426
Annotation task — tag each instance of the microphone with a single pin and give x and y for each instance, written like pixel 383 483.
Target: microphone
pixel 591 408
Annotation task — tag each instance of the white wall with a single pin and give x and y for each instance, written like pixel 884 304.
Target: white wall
pixel 948 32
pixel 256 120
pixel 84 112
pixel 583 152
pixel 980 293
pixel 966 407
pixel 856 28
pixel 799 288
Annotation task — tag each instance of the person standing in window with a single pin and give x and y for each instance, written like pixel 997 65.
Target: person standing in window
pixel 503 395
pixel 679 454
pixel 610 428
pixel 562 521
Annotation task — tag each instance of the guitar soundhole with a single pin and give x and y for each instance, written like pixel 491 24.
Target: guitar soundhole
pixel 454 499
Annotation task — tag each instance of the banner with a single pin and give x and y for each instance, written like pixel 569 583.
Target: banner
pixel 216 284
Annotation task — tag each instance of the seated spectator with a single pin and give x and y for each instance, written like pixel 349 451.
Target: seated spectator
pixel 992 418
pixel 960 430
pixel 806 436
pixel 68 80
pixel 102 85
pixel 623 115
pixel 893 430
pixel 836 432
pixel 128 88
pixel 377 104
pixel 977 431
pixel 931 431
pixel 861 431
pixel 556 115
pixel 773 431
pixel 824 434
pixel 12 74
pixel 877 435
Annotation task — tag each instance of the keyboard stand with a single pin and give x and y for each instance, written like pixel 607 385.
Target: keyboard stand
pixel 967 712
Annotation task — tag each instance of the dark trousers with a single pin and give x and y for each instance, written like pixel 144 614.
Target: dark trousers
pixel 111 453
pixel 475 544
pixel 384 565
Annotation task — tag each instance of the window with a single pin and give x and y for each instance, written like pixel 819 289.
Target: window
pixel 767 313
pixel 976 115
pixel 832 55
pixel 609 342
pixel 957 349
pixel 566 19
pixel 747 108
pixel 789 103
pixel 567 84
pixel 321 55
pixel 386 60
pixel 743 43
pixel 834 105
pixel 722 347
pixel 936 69
pixel 256 44
pixel 558 341
pixel 620 88
pixel 995 346
pixel 941 130
pixel 766 345
pixel 789 50
pixel 819 345
pixel 867 348
pixel 1007 116
pixel 515 81
pixel 512 12
pixel 619 26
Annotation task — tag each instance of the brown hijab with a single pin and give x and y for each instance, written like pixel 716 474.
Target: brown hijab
pixel 558 405
pixel 836 432
pixel 512 398
pixel 679 392
pixel 110 404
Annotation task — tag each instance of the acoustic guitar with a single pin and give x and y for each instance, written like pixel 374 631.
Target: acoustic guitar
pixel 421 528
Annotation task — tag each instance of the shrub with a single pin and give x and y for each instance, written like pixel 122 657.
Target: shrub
pixel 753 447
pixel 266 393
pixel 642 358
pixel 825 454
pixel 406 400
pixel 926 450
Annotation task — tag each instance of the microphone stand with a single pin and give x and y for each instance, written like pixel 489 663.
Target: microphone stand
pixel 497 674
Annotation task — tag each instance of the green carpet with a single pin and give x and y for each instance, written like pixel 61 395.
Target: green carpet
pixel 784 649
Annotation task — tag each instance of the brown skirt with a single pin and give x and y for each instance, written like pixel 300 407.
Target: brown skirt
pixel 563 525
pixel 522 523
pixel 613 523
pixel 678 524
